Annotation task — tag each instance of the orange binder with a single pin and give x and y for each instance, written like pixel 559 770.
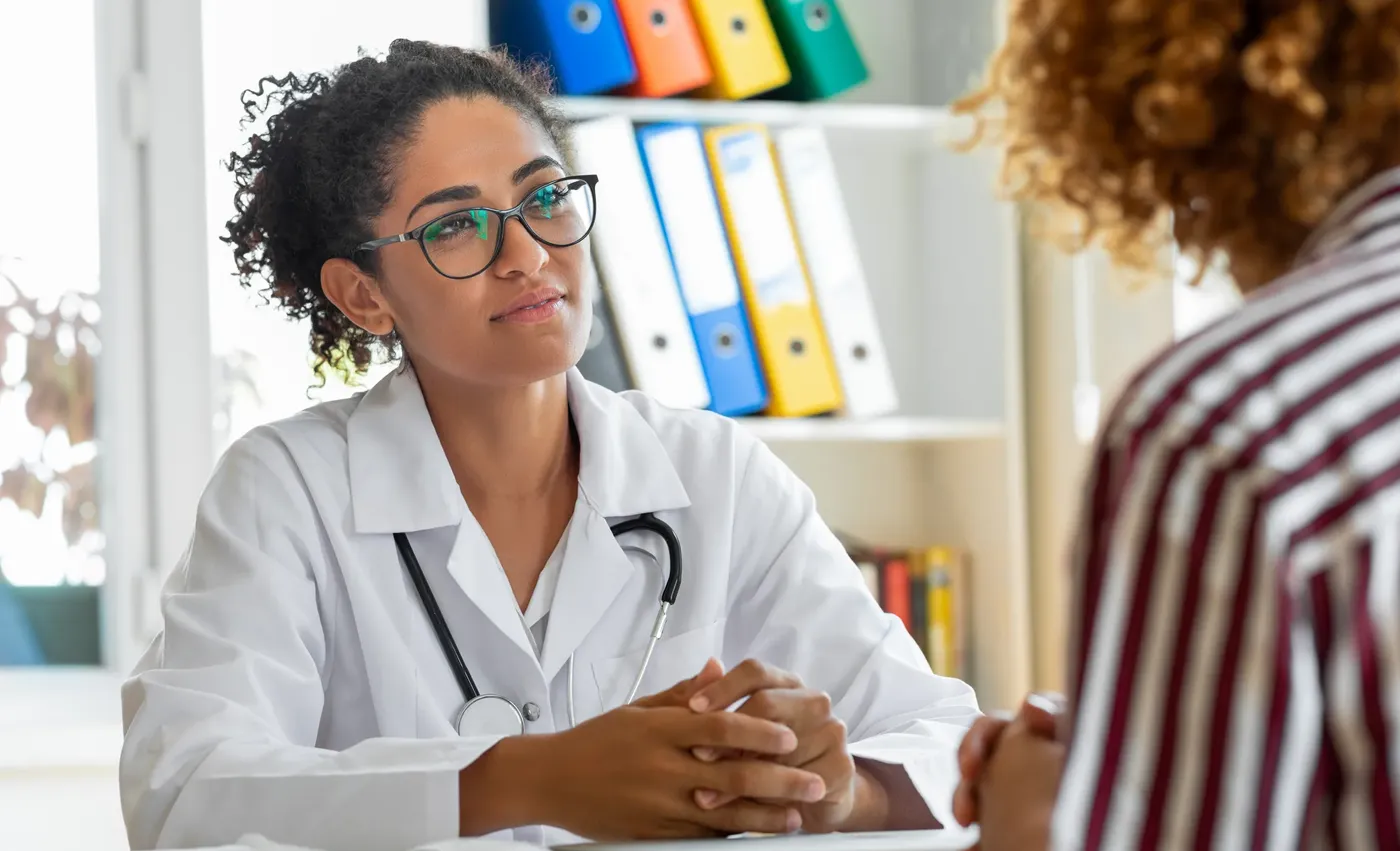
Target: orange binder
pixel 667 47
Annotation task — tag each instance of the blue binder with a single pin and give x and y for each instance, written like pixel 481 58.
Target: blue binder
pixel 582 41
pixel 678 170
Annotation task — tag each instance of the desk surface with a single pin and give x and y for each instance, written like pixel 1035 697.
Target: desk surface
pixel 907 840
pixel 913 840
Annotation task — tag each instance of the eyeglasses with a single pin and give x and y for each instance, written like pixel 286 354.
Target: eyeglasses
pixel 464 243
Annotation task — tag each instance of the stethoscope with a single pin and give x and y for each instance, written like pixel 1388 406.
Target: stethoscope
pixel 497 715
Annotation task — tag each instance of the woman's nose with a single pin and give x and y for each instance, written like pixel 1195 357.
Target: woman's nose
pixel 521 253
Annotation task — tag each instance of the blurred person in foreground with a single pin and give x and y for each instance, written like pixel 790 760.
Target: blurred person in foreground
pixel 1235 647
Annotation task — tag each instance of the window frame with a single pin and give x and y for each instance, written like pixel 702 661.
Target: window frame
pixel 154 380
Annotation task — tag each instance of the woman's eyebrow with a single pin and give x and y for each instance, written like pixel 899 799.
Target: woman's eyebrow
pixel 470 191
pixel 461 192
pixel 534 165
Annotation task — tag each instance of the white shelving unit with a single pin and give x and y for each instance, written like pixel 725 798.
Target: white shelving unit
pixel 940 252
pixel 892 429
pixel 941 255
pixel 934 124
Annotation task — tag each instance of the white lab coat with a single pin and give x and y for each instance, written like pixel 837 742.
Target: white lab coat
pixel 299 692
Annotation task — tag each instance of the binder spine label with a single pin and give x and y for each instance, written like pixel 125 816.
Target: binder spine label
pixel 681 177
pixel 756 202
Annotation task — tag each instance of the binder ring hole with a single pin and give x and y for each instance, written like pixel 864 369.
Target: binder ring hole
pixel 738 25
pixel 659 341
pixel 585 16
pixel 797 347
pixel 860 352
pixel 658 18
pixel 724 342
pixel 818 15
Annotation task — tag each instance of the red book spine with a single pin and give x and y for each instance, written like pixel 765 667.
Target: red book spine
pixel 895 585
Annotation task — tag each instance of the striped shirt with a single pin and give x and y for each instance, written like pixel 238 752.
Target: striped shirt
pixel 1235 651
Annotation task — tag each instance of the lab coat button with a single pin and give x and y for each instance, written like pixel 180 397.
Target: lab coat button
pixel 532 712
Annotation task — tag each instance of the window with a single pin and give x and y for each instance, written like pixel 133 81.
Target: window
pixel 51 544
pixel 262 360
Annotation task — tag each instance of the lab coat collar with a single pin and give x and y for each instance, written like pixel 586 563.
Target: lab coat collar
pixel 400 480
pixel 623 468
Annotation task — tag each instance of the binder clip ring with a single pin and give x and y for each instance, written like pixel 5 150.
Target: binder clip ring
pixel 796 346
pixel 585 16
pixel 725 341
pixel 738 24
pixel 658 20
pixel 818 15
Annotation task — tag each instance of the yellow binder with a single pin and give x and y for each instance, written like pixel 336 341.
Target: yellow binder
pixel 787 327
pixel 743 48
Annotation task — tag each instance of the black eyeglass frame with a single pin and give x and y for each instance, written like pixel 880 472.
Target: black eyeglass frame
pixel 516 212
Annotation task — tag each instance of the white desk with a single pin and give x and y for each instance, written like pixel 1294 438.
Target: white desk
pixel 906 840
pixel 913 840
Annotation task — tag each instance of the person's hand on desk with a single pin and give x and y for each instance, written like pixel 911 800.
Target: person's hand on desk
pixel 631 774
pixel 854 798
pixel 1011 773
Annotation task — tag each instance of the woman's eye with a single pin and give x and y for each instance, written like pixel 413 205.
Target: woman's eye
pixel 466 223
pixel 547 199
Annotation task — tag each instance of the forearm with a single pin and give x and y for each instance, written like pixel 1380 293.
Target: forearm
pixel 887 800
pixel 506 787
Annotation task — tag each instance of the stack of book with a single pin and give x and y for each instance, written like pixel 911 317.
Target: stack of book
pixel 928 590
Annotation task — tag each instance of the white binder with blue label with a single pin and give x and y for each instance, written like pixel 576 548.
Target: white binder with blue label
pixel 675 160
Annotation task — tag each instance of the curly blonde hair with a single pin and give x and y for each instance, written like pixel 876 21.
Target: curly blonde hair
pixel 1230 127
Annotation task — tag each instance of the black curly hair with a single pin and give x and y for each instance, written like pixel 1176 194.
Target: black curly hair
pixel 311 183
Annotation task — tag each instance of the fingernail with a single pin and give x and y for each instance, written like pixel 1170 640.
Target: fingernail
pixel 699 703
pixel 794 821
pixel 706 754
pixel 706 798
pixel 815 791
pixel 789 740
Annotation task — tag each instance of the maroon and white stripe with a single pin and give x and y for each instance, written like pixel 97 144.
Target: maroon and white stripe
pixel 1236 638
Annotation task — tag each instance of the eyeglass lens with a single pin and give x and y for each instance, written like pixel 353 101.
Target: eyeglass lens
pixel 464 243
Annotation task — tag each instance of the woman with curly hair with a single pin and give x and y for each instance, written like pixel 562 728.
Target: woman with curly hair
pixel 1235 658
pixel 373 638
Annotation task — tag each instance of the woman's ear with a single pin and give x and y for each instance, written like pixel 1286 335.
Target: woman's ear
pixel 357 294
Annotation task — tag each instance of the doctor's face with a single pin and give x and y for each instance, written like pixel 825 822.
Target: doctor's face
pixel 527 316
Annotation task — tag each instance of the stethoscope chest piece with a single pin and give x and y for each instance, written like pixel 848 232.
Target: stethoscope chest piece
pixel 490 715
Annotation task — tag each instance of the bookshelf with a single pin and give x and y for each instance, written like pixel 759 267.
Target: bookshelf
pixel 932 124
pixel 893 429
pixel 941 255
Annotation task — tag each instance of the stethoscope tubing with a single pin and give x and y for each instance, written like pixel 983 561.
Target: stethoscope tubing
pixel 444 635
pixel 669 593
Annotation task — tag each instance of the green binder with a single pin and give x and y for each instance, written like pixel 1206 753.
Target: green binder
pixel 824 58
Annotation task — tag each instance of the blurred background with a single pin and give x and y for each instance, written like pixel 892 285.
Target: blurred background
pixel 130 357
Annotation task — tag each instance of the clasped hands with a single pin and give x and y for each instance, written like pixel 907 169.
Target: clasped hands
pixel 678 764
pixel 1010 775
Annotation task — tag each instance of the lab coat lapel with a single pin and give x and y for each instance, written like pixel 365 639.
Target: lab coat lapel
pixel 475 567
pixel 624 470
pixel 401 481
